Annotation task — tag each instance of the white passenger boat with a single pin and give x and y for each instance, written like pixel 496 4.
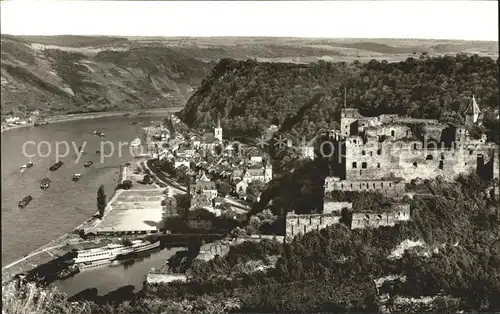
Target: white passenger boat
pixel 112 251
pixel 108 252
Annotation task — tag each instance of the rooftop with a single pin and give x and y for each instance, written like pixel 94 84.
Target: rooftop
pixel 473 107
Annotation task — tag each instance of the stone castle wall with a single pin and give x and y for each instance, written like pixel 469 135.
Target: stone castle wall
pixel 392 188
pixel 398 213
pixel 335 207
pixel 369 159
pixel 302 224
pixel 410 160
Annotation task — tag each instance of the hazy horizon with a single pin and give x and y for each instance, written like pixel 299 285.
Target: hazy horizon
pixel 265 37
pixel 424 20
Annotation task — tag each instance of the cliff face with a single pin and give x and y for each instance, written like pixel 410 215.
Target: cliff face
pixel 70 79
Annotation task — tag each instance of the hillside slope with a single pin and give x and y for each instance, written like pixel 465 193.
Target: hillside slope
pixel 249 96
pixel 60 74
pixel 63 81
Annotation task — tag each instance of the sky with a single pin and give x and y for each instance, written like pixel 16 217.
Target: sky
pixel 467 20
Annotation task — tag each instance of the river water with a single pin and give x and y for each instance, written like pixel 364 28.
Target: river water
pixel 66 204
pixel 110 278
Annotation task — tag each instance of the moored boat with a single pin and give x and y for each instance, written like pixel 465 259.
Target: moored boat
pixel 68 272
pixel 26 166
pixel 136 142
pixel 45 183
pixel 25 201
pixel 88 163
pixel 56 166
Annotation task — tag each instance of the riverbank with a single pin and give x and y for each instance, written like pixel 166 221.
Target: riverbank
pixel 94 115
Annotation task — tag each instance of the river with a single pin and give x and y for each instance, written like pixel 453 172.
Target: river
pixel 110 278
pixel 66 204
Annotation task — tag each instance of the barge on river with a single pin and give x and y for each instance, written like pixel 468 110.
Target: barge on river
pixel 56 166
pixel 45 183
pixel 25 201
pixel 26 166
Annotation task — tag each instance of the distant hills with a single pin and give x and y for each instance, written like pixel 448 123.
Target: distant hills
pixel 61 74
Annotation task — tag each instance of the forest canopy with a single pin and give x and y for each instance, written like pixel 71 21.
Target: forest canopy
pixel 250 96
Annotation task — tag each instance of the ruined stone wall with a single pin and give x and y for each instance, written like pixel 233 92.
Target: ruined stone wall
pixel 335 207
pixel 409 160
pixel 395 131
pixel 301 224
pixel 398 213
pixel 348 116
pixel 433 131
pixel 391 188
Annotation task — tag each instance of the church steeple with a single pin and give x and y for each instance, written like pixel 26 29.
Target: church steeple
pixel 218 130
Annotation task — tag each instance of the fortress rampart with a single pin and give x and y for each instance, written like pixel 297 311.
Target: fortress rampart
pixel 397 214
pixel 302 224
pixel 388 187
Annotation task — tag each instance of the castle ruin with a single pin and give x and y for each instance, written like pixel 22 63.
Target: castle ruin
pixel 382 153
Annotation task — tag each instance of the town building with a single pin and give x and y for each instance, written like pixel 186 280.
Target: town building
pixel 11 119
pixel 208 141
pixel 204 186
pixel 200 219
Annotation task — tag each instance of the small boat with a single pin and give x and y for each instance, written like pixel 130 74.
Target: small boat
pixel 45 183
pixel 80 149
pixel 56 166
pixel 26 166
pixel 99 134
pixel 88 164
pixel 98 152
pixel 133 123
pixel 25 201
pixel 136 142
pixel 77 176
pixel 68 272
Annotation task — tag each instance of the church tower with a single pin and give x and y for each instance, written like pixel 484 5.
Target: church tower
pixel 472 112
pixel 218 131
pixel 268 172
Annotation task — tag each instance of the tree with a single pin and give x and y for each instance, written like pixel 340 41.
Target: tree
pixel 101 201
pixel 253 190
pixel 223 187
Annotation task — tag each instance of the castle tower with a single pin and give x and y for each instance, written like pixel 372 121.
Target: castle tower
pixel 218 131
pixel 472 112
